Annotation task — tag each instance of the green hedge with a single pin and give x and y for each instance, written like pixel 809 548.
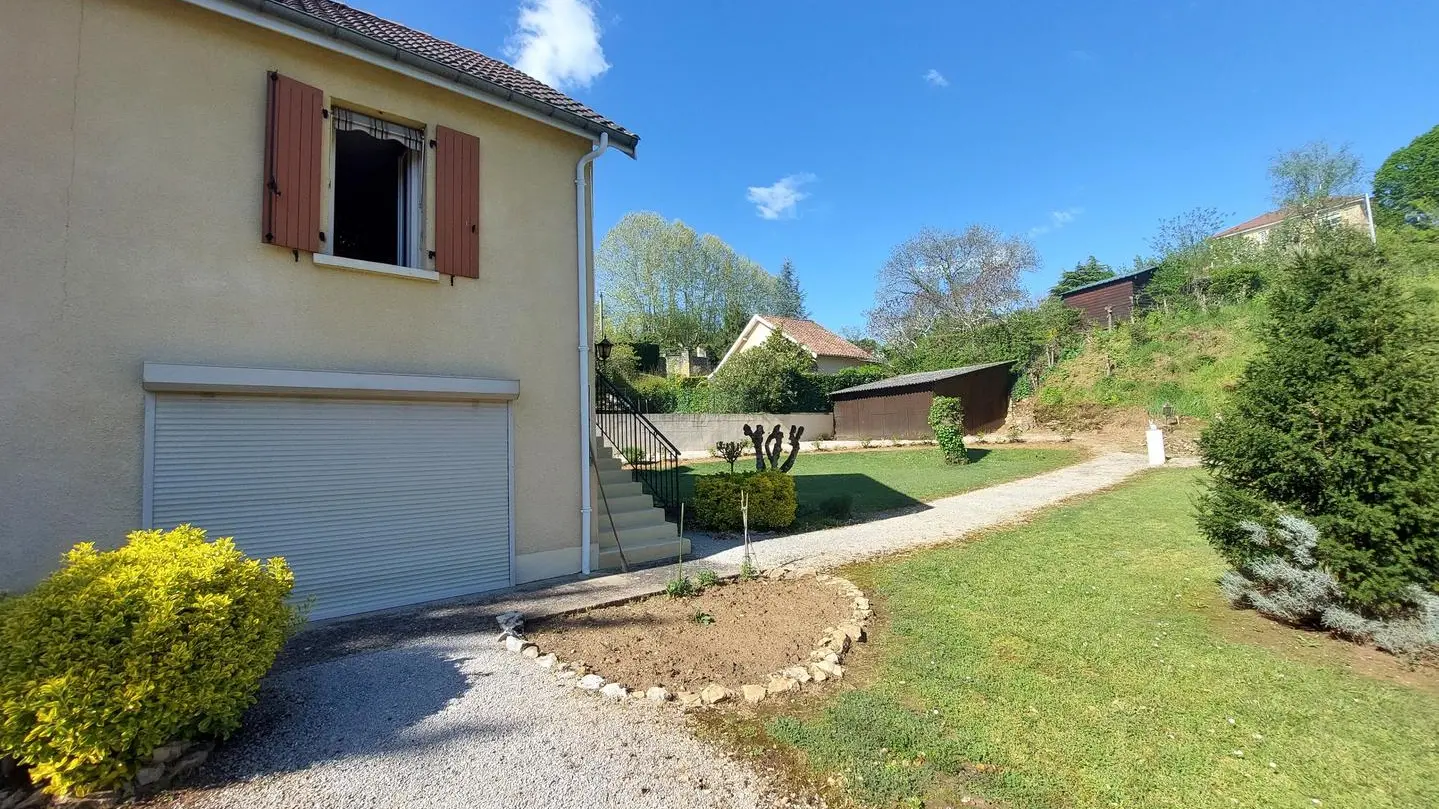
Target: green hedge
pixel 772 500
pixel 120 652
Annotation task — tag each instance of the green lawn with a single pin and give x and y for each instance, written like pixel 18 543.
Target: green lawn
pixel 1080 661
pixel 882 480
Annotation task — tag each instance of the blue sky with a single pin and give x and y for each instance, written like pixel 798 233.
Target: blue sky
pixel 1081 124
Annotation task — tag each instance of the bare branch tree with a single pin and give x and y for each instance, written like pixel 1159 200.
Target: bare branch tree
pixel 941 276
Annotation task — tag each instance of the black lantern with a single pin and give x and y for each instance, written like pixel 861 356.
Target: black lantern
pixel 603 348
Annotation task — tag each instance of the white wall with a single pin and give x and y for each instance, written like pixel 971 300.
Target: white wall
pixel 692 432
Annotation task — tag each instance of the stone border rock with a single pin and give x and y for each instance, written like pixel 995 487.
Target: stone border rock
pixel 824 663
pixel 168 763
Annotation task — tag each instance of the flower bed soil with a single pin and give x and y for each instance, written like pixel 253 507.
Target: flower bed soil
pixel 760 626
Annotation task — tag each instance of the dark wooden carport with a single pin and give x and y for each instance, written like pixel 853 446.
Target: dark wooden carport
pixel 898 407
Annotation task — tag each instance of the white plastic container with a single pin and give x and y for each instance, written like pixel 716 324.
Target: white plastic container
pixel 1154 438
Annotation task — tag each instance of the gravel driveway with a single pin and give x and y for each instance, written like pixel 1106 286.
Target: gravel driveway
pixel 424 709
pixel 459 722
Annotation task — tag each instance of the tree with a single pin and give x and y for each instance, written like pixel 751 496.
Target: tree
pixel 1306 179
pixel 1337 422
pixel 958 279
pixel 1085 272
pixel 1186 233
pixel 1406 187
pixel 789 298
pixel 774 377
pixel 664 283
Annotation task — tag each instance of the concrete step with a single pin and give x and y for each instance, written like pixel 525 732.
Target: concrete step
pixel 638 535
pixel 614 476
pixel 641 552
pixel 638 518
pixel 628 488
pixel 627 503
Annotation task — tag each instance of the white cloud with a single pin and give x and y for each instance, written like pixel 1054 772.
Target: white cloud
pixel 558 42
pixel 936 78
pixel 778 201
pixel 1057 220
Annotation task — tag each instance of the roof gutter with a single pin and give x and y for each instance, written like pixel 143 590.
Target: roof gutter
pixel 286 20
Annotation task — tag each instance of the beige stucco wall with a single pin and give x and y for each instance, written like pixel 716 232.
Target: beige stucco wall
pixel 1353 214
pixel 830 365
pixel 129 231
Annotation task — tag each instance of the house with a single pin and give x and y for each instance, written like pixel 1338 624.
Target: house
pixel 686 362
pixel 1351 211
pixel 830 351
pixel 898 407
pixel 275 268
pixel 1112 300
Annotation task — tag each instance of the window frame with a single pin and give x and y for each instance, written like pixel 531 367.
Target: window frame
pixel 415 186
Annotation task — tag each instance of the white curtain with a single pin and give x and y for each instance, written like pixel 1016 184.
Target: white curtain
pixel 349 120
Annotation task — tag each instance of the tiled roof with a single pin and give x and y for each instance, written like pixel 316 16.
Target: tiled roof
pixel 817 338
pixel 1274 217
pixel 1102 282
pixel 921 378
pixel 454 57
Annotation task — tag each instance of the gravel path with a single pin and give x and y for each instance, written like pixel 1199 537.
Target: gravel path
pixel 422 708
pixel 934 523
pixel 460 723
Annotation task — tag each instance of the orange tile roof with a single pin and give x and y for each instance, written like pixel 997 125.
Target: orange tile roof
pixel 817 338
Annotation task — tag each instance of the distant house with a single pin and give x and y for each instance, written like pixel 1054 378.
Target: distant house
pixel 898 407
pixel 1112 300
pixel 1351 211
pixel 831 352
pixel 688 362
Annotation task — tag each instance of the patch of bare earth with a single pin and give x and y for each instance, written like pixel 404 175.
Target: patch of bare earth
pixel 1319 648
pixel 754 629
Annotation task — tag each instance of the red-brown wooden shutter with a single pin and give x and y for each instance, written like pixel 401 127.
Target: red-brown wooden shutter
pixel 457 203
pixel 293 121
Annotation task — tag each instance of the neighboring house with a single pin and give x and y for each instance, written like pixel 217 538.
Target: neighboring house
pixel 898 407
pixel 292 272
pixel 830 351
pixel 687 362
pixel 1354 211
pixel 1112 300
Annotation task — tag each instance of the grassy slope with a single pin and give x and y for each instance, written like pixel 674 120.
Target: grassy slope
pixel 882 480
pixel 1187 359
pixel 1076 661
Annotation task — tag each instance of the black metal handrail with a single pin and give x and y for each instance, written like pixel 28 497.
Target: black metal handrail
pixel 653 459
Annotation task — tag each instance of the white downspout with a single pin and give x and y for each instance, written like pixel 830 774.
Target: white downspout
pixel 582 276
pixel 1369 214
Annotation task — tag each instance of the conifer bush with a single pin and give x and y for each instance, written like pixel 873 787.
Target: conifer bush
pixel 1337 422
pixel 119 652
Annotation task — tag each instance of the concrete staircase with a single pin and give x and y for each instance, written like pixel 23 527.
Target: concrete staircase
pixel 644 532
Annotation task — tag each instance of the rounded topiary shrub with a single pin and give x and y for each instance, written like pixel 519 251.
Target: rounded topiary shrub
pixel 120 652
pixel 772 500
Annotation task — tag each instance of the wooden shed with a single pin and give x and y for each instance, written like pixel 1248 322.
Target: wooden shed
pixel 898 407
pixel 1111 300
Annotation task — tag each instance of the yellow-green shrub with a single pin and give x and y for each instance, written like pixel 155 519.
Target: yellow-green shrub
pixel 772 500
pixel 120 652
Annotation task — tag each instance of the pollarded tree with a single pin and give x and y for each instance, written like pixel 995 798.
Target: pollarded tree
pixel 1338 422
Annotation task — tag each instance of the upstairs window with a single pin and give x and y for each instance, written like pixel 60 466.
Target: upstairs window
pixel 378 189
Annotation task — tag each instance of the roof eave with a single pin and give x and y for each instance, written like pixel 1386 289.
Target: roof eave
pixel 502 96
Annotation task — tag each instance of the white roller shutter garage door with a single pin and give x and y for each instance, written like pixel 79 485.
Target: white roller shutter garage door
pixel 374 504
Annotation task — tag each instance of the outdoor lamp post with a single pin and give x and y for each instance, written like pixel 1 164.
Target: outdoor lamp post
pixel 603 348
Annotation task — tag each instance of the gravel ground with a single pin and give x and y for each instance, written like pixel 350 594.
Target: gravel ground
pixel 422 708
pixel 934 523
pixel 460 723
